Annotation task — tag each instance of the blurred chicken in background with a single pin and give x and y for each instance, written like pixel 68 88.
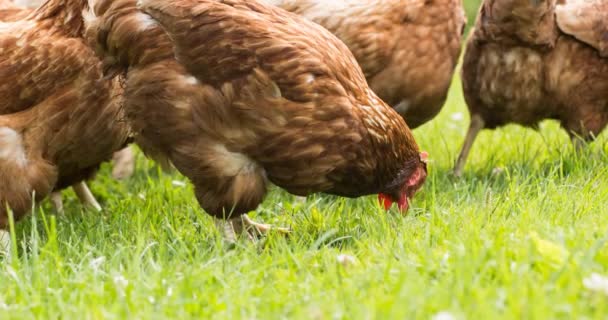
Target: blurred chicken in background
pixel 408 49
pixel 60 118
pixel 523 63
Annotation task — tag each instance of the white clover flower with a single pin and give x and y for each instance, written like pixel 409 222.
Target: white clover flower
pixel 346 260
pixel 597 283
pixel 444 315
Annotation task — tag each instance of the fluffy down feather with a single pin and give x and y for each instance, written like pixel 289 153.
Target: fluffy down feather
pixel 60 117
pixel 237 94
pixel 408 49
pixel 519 67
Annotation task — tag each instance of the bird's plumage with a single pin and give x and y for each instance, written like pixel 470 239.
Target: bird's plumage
pixel 586 20
pixel 238 94
pixel 59 113
pixel 408 49
pixel 520 67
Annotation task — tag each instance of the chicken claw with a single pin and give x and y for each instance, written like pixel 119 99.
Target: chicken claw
pixel 261 228
pixel 124 164
pixel 85 196
pixel 477 124
pixel 244 225
pixel 57 201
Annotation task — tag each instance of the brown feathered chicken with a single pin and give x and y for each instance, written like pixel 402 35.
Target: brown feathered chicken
pixel 238 94
pixel 123 160
pixel 408 49
pixel 60 117
pixel 521 67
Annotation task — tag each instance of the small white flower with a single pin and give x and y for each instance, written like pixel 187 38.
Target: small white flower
pixel 346 260
pixel 458 116
pixel 597 283
pixel 120 281
pixel 498 170
pixel 445 260
pixel 177 183
pixel 97 262
pixel 142 196
pixel 444 315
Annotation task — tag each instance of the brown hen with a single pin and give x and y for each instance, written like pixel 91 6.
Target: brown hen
pixel 408 49
pixel 238 94
pixel 123 160
pixel 60 117
pixel 520 67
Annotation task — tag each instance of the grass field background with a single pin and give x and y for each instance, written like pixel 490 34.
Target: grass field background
pixel 522 235
pixel 519 236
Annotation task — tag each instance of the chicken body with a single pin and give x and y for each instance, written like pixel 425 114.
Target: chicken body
pixel 10 12
pixel 520 68
pixel 408 49
pixel 237 94
pixel 60 117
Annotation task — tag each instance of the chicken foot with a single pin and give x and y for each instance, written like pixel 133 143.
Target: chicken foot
pixel 477 124
pixel 5 244
pixel 231 228
pixel 83 193
pixel 57 201
pixel 123 163
pixel 86 196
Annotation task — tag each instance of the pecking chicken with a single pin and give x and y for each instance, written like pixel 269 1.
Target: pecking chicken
pixel 60 117
pixel 521 67
pixel 237 94
pixel 408 49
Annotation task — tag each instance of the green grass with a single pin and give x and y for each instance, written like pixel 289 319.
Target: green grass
pixel 513 239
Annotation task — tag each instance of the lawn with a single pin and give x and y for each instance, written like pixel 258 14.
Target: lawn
pixel 518 237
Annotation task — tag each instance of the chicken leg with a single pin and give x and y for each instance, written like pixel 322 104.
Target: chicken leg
pixel 477 124
pixel 231 228
pixel 124 163
pixel 83 193
pixel 57 201
pixel 5 244
pixel 86 196
pixel 579 143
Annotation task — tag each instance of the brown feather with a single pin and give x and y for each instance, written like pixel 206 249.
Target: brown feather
pixel 520 68
pixel 237 93
pixel 408 49
pixel 585 20
pixel 57 107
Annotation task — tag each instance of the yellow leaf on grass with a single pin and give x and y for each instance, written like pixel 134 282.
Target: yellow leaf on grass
pixel 551 251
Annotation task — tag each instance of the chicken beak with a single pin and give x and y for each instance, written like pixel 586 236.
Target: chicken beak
pixel 385 200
